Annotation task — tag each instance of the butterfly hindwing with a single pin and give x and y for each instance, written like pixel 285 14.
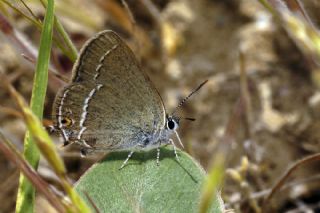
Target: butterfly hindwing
pixel 111 102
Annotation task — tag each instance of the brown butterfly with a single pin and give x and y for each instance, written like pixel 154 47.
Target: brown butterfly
pixel 111 104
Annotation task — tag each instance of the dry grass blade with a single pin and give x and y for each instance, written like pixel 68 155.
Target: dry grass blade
pixel 91 202
pixel 30 11
pixel 16 39
pixel 71 52
pixel 295 6
pixel 283 179
pixel 306 37
pixel 132 19
pixel 299 27
pixel 10 111
pixel 153 10
pixel 14 156
pixel 218 162
pixel 34 20
pixel 51 69
pixel 212 183
pixel 47 148
pixel 245 94
pixel 22 45
pixel 125 19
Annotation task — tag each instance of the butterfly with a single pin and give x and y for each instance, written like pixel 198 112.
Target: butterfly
pixel 111 104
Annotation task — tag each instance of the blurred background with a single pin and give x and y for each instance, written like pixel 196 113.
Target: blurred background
pixel 262 100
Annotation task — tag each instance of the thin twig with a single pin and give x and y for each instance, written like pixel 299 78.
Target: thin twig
pixel 294 6
pixel 134 28
pixel 36 22
pixel 153 10
pixel 245 94
pixel 264 193
pixel 51 69
pixel 10 111
pixel 30 11
pixel 91 201
pixel 282 180
pixel 12 154
pixel 73 53
pixel 126 6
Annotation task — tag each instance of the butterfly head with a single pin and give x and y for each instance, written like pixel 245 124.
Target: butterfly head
pixel 172 123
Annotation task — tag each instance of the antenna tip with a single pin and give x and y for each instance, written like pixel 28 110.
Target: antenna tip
pixel 190 119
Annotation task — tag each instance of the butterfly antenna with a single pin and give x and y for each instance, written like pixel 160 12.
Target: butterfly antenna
pixel 189 119
pixel 186 98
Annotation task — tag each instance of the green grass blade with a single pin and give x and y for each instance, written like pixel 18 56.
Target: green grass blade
pixel 65 44
pixel 61 41
pixel 212 183
pixel 12 154
pixel 26 193
pixel 72 53
pixel 71 50
pixel 48 150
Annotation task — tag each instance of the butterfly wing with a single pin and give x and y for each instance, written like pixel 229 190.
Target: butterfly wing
pixel 111 103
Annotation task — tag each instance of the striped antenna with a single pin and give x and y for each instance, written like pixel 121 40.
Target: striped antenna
pixel 186 98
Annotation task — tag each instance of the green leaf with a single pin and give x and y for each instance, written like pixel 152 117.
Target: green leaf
pixel 142 186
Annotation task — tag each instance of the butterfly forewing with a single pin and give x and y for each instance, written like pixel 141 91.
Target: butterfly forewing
pixel 110 101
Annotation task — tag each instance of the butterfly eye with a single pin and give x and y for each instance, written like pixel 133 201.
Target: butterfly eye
pixel 66 122
pixel 172 124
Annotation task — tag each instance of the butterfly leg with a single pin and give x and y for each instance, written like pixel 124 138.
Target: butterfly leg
pixel 174 149
pixel 126 161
